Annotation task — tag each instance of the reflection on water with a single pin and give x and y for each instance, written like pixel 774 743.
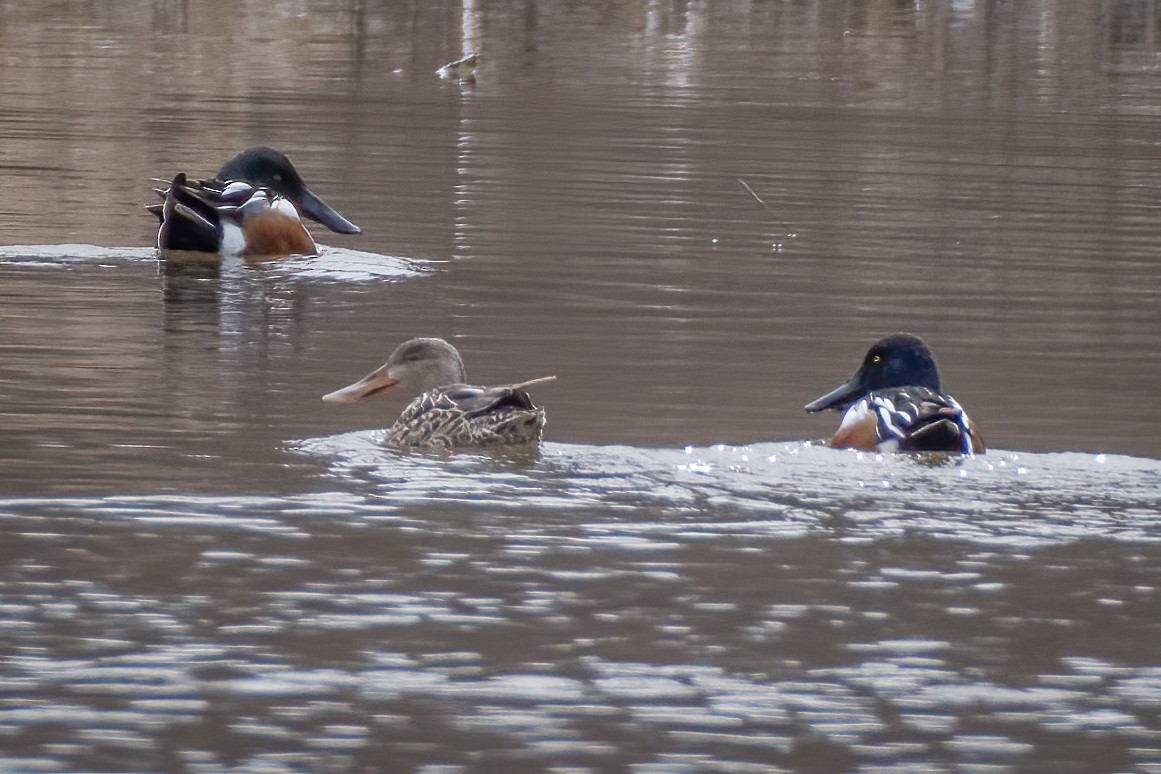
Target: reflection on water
pixel 698 216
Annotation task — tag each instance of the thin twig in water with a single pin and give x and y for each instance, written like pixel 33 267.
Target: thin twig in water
pixel 779 244
pixel 750 190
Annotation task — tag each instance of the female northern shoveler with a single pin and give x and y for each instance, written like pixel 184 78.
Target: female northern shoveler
pixel 261 168
pixel 448 413
pixel 234 219
pixel 894 403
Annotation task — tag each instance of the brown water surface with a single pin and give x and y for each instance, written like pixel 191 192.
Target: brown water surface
pixel 698 216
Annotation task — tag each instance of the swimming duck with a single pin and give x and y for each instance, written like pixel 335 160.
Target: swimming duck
pixel 894 403
pixel 448 413
pixel 234 219
pixel 262 168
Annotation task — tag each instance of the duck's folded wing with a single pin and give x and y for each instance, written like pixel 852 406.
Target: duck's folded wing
pixel 925 420
pixel 188 221
pixel 471 399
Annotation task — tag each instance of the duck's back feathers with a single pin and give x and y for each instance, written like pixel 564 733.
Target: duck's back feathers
pixel 915 419
pixel 231 218
pixel 461 415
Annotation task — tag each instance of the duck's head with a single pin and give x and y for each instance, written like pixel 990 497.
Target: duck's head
pixel 900 360
pixel 415 366
pixel 267 168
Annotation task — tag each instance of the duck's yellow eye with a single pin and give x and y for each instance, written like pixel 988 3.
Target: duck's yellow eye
pixel 877 359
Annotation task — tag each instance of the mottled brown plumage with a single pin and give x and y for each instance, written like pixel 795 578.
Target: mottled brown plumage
pixel 448 413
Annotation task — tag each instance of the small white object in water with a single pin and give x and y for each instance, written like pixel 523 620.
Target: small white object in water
pixel 1099 459
pixel 464 69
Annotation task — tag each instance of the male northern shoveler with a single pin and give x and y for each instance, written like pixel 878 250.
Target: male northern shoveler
pixel 894 403
pixel 260 168
pixel 448 413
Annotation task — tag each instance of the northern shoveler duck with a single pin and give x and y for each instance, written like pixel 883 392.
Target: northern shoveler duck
pixel 448 413
pixel 260 168
pixel 894 403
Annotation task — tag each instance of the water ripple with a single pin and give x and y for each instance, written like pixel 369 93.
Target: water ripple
pixel 1006 498
pixel 332 263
